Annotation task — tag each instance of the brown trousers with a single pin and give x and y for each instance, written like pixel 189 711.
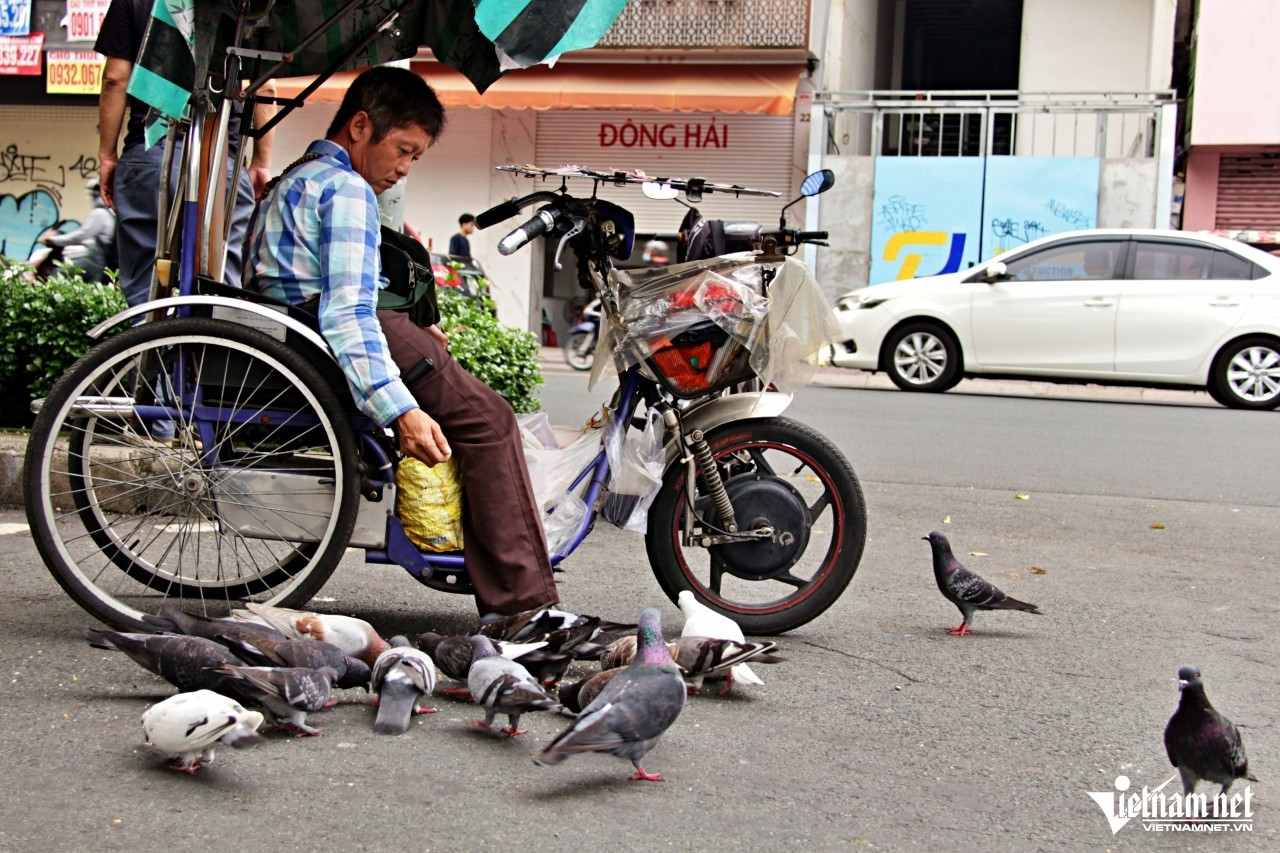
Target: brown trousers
pixel 504 545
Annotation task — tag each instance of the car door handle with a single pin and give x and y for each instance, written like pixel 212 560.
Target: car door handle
pixel 1099 302
pixel 1224 302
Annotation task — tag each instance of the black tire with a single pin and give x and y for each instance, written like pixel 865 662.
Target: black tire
pixel 1246 374
pixel 785 474
pixel 258 503
pixel 573 346
pixel 923 357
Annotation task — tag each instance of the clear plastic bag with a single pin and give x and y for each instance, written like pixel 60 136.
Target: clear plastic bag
pixel 563 522
pixel 635 464
pixel 553 469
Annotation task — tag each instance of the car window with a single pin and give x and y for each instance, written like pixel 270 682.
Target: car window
pixel 1090 261
pixel 1229 267
pixel 1172 261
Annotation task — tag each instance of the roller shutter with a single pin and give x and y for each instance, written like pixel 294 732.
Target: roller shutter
pixel 749 150
pixel 1248 192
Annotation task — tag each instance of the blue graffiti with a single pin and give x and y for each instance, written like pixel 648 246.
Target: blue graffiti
pixel 23 219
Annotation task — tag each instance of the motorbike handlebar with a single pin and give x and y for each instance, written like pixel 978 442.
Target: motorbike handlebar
pixel 496 214
pixel 542 222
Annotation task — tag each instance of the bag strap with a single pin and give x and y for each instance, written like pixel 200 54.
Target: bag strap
pixel 245 275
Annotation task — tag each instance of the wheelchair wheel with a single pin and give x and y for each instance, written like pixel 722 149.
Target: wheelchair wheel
pixel 255 497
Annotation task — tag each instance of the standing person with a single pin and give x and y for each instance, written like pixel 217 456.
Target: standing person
pixel 131 180
pixel 89 247
pixel 459 245
pixel 317 239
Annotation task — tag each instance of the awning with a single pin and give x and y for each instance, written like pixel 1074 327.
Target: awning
pixel 759 89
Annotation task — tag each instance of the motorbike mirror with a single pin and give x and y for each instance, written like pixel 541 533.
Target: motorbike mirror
pixel 818 182
pixel 657 191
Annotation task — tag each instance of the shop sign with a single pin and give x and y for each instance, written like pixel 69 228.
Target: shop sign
pixel 663 134
pixel 21 54
pixel 74 72
pixel 83 19
pixel 15 17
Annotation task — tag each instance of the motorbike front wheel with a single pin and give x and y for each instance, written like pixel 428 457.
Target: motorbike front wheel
pixel 777 473
pixel 579 350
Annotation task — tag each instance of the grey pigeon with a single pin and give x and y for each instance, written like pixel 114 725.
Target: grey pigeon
pixel 402 677
pixel 1200 742
pixel 579 694
pixel 701 658
pixel 178 621
pixel 966 590
pixel 503 687
pixel 188 725
pixel 297 653
pixel 633 711
pixel 521 627
pixel 451 654
pixel 289 693
pixel 184 662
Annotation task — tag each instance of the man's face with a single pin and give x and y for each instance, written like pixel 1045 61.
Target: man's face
pixel 467 228
pixel 385 162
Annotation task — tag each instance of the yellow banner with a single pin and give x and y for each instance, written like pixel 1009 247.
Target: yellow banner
pixel 74 72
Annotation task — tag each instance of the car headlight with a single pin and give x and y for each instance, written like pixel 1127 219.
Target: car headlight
pixel 853 302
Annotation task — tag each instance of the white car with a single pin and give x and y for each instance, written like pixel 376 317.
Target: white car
pixel 1143 307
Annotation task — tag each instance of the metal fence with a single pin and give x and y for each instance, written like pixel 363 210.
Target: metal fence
pixel 974 124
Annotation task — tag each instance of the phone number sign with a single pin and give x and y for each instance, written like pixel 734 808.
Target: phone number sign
pixel 83 19
pixel 21 54
pixel 74 72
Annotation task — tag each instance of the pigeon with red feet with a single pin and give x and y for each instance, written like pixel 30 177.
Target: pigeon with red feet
pixel 189 725
pixel 299 653
pixel 355 637
pixel 288 693
pixel 966 590
pixel 175 621
pixel 184 662
pixel 1201 742
pixel 403 677
pixel 502 686
pixel 634 709
pixel 701 621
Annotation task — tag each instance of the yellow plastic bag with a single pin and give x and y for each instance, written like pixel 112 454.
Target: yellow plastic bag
pixel 429 504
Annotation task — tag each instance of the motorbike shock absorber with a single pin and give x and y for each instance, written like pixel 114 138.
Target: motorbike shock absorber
pixel 711 481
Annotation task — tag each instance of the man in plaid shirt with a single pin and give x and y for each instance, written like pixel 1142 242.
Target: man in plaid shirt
pixel 317 235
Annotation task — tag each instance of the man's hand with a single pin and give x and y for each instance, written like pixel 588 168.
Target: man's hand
pixel 421 438
pixel 259 176
pixel 106 178
pixel 438 333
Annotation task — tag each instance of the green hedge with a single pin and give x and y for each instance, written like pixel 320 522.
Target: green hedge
pixel 43 325
pixel 505 359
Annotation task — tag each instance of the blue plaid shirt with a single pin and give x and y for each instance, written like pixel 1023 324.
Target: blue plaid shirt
pixel 318 233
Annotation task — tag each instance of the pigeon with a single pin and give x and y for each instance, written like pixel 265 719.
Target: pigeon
pixel 633 711
pixel 966 590
pixel 702 621
pixel 188 725
pixel 503 687
pixel 355 637
pixel 184 662
pixel 700 658
pixel 1202 743
pixel 532 623
pixel 402 677
pixel 175 621
pixel 300 653
pixel 618 653
pixel 289 693
pixel 579 694
pixel 453 654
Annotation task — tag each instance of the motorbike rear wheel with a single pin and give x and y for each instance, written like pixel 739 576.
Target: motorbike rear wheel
pixel 580 349
pixel 783 474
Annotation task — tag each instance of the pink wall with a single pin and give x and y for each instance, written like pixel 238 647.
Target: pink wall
pixel 1236 100
pixel 1200 198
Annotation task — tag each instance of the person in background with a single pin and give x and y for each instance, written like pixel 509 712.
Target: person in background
pixel 91 246
pixel 459 245
pixel 130 180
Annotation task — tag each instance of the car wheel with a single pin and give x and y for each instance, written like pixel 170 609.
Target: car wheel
pixel 923 357
pixel 1247 374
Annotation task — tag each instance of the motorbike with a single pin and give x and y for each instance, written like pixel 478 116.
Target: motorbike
pixel 580 343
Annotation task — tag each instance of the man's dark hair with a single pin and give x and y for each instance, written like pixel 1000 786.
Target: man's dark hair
pixel 465 218
pixel 393 98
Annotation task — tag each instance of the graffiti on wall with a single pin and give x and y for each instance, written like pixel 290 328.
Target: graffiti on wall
pixel 32 190
pixel 926 215
pixel 1027 198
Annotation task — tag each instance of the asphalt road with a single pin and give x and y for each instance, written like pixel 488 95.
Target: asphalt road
pixel 880 732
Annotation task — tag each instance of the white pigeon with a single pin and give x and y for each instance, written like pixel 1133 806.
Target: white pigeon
pixel 188 725
pixel 702 621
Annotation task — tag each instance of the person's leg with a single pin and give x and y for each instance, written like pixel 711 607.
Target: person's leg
pixel 231 271
pixel 505 547
pixel 136 184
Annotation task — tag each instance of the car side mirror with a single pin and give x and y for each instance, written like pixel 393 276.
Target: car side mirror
pixel 997 272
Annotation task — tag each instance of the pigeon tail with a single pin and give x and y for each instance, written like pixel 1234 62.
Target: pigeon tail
pixel 1014 604
pixel 395 707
